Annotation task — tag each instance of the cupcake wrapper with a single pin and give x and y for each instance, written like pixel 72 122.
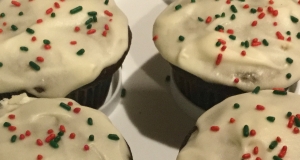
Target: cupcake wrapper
pixel 201 93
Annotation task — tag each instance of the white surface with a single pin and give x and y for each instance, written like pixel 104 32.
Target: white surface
pixel 147 116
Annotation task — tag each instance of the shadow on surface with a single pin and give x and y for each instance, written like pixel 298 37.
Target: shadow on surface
pixel 151 107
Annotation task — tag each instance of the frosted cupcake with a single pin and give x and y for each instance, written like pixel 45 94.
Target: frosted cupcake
pixel 61 48
pixel 249 126
pixel 222 48
pixel 57 129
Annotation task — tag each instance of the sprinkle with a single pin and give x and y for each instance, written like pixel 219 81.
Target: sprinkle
pixel 254 23
pixel 39 142
pixel 223 48
pixel 246 156
pixel 34 66
pixel 252 132
pixel 72 136
pixel 294 19
pixel 76 110
pixel 76 29
pixel 16 3
pixel 62 128
pixel 86 147
pixel 298 35
pixel 21 13
pixel 208 19
pixel 155 38
pixel 255 150
pixel 260 107
pixel 193 1
pixel 214 128
pixel 14 28
pixel 73 42
pixel 123 92
pixel 106 2
pixel 236 80
pixel 50 131
pixel 297 121
pixel 259 9
pixel 271 119
pixel 91 137
pixel 50 10
pixel 218 43
pixel 95 19
pixel 247 44
pixel 12 128
pixel 53 15
pixel 23 48
pixel 275 157
pixel 253 10
pixel 13 138
pixel 288 75
pixel 6 124
pixel 278 139
pixel 296 130
pixel 219 59
pixel 46 41
pixel 282 152
pixel 60 133
pixel 232 120
pixel 178 7
pixel 243 53
pixel 246 131
pixel 273 144
pixel 91 31
pixel 89 26
pixel 27 133
pixel 80 52
pixel 113 137
pixel 265 42
pixel 30 31
pixel 11 116
pixel 76 10
pixel 39 21
pixel 56 5
pixel 236 106
pixel 291 121
pixel 233 9
pixel 261 15
pixel 279 92
pixel 2 15
pixel 90 121
pixel 22 136
pixel 181 38
pixel 232 17
pixel 92 13
pixel 54 144
pixel 200 19
pixel 230 31
pixel 108 13
pixel 65 106
pixel 232 37
pixel 50 137
pixel 47 46
pixel 57 139
pixel 39 157
pixel 1 64
pixel 222 41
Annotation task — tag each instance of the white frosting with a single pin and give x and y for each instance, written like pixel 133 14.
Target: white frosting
pixel 266 65
pixel 62 70
pixel 229 143
pixel 40 115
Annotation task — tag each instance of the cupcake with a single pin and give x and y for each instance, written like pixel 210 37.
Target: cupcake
pixel 222 48
pixel 57 129
pixel 61 48
pixel 249 126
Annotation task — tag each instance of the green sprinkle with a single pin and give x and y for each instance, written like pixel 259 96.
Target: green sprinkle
pixel 193 1
pixel 265 42
pixel 65 106
pixel 233 9
pixel 89 26
pixel 90 121
pixel 217 16
pixel 21 13
pixel 106 2
pixel 236 106
pixel 123 92
pixel 113 137
pixel 246 131
pixel 218 43
pixel 14 28
pixel 91 137
pixel 76 10
pixel 271 119
pixel 256 90
pixel 13 138
pixel 1 64
pixel 242 43
pixel 23 48
pixel 242 0
pixel 200 19
pixel 53 144
pixel 46 41
pixel 168 78
pixel 57 139
pixel 297 121
pixel 6 124
pixel 53 15
pixel 2 15
pixel 219 27
pixel 294 19
pixel 273 144
pixel 298 35
pixel 232 37
pixel 289 60
pixel 30 31
pixel 289 114
pixel 232 17
pixel 92 13
pixel 253 10
pixel 90 20
pixel 223 14
pixel 181 38
pixel 288 76
pixel 288 33
pixel 283 93
pixel 95 19
pixel 34 66
pixel 178 7
pixel 80 52
pixel 276 158
pixel 247 44
pixel 60 133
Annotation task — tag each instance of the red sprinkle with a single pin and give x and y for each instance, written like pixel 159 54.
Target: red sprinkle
pixel 104 33
pixel 282 152
pixel 223 48
pixel 255 150
pixel 289 39
pixel 214 128
pixel 72 135
pixel 296 130
pixel 279 35
pixel 230 31
pixel 271 2
pixel 39 21
pixel 246 156
pixel 219 59
pixel 22 136
pixel 71 103
pixel 106 27
pixel 275 13
pixel 278 139
pixel 39 157
pixel 16 3
pixel 73 42
pixel 155 38
pixel 4 23
pixel 259 9
pixel 40 59
pixel 50 131
pixel 11 116
pixel 232 120
pixel 1 30
pixel 208 19
pixel 228 1
pixel 50 10
pixel 47 46
pixel 260 107
pixel 254 23
pixel 56 5
pixel 12 128
pixel 33 39
pixel 243 53
pixel 236 80
pixel 76 29
pixel 258 158
pixel 252 132
pixel 62 128
pixel 76 110
pixel 91 31
pixel 39 142
pixel 246 6
pixel 222 41
pixel 50 137
pixel 27 133
pixel 270 9
pixel 261 15
pixel 291 121
pixel 86 147
pixel 108 13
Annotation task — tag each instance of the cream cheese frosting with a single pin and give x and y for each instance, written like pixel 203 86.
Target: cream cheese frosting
pixel 253 126
pixel 57 129
pixel 58 45
pixel 242 43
